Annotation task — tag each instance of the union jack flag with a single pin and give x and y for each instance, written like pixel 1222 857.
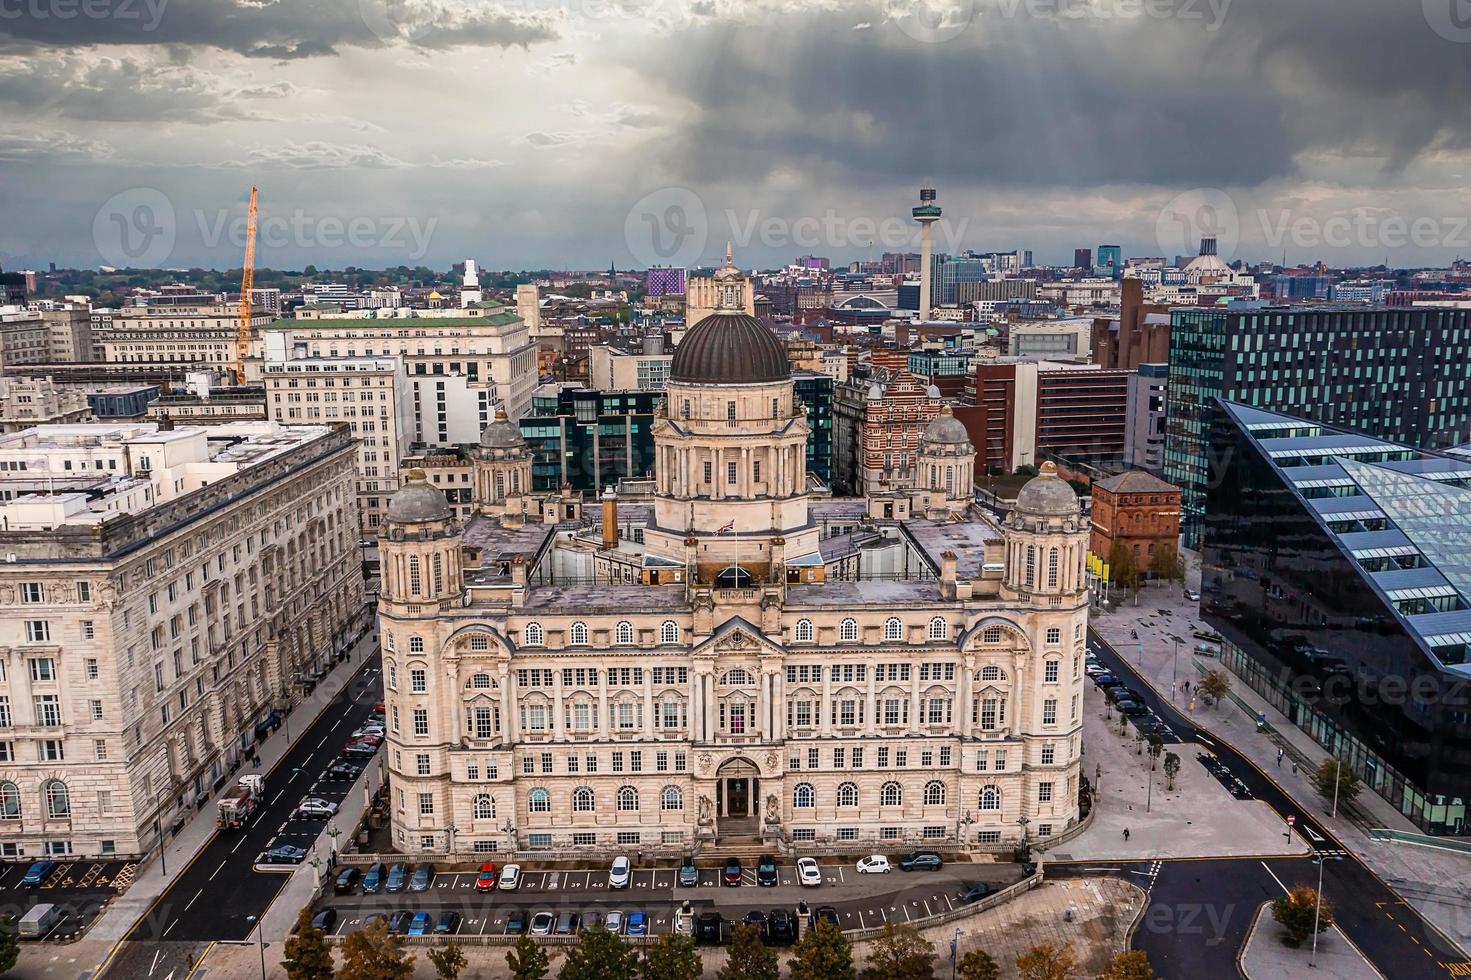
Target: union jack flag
pixel 726 528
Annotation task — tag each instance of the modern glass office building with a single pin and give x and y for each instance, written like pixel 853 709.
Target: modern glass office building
pixel 1395 373
pixel 1337 568
pixel 816 392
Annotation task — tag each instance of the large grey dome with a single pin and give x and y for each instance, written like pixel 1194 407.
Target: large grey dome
pixel 1047 495
pixel 502 433
pixel 729 347
pixel 946 430
pixel 417 501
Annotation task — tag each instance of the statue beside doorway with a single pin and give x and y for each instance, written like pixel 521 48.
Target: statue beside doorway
pixel 707 818
pixel 773 811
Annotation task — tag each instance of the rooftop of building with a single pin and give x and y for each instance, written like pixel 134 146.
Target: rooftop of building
pixel 402 318
pixel 1135 481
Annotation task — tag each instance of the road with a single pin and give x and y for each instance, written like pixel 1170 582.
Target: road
pixel 213 897
pixel 1220 896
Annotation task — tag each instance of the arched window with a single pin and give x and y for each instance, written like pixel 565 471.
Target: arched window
pixel 736 677
pixel 484 807
pixel 627 798
pixel 938 629
pixel 934 793
pixel 848 794
pixel 990 798
pixel 893 629
pixel 802 796
pixel 9 801
pixel 992 673
pixel 671 799
pixel 623 632
pixel 539 801
pixel 58 800
pixel 848 630
pixel 669 632
pixel 579 633
pixel 891 795
pixel 804 631
pixel 480 682
pixel 533 635
pixel 582 800
pixel 1052 565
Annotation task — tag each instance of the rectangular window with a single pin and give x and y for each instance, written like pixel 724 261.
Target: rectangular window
pixel 1049 672
pixel 628 837
pixel 584 839
pixel 1049 754
pixel 804 834
pixel 418 681
pixel 38 631
pixel 43 669
pixel 421 763
pixel 32 592
pixel 421 721
pixel 730 473
pixel 426 804
pixel 1044 792
pixel 48 710
pixel 1049 711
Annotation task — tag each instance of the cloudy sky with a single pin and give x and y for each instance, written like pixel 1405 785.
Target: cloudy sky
pixel 578 133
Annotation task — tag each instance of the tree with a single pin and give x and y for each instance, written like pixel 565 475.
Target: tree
pixel 600 955
pixel 1156 746
pixel 1166 563
pixel 672 957
pixel 1172 769
pixel 1296 911
pixel 978 965
pixel 1123 567
pixel 1214 686
pixel 749 958
pixel 1027 470
pixel 448 961
pixel 1046 962
pixel 901 953
pixel 527 960
pixel 308 957
pixel 1331 772
pixel 375 954
pixel 823 953
pixel 9 944
pixel 1131 964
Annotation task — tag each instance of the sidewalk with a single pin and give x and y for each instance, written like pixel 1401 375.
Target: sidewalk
pixel 1430 880
pixel 1266 957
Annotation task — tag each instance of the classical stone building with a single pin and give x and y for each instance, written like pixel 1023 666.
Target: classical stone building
pixel 164 592
pixel 736 664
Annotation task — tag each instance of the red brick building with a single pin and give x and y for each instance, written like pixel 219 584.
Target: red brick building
pixel 1029 411
pixel 877 425
pixel 1139 509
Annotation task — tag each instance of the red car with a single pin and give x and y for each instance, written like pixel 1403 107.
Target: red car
pixel 487 878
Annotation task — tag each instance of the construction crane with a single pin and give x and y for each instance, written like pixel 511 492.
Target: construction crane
pixel 247 282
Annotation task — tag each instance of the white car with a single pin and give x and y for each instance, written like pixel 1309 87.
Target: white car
pixel 316 807
pixel 614 922
pixel 874 864
pixel 808 873
pixel 1093 670
pixel 510 878
pixel 619 874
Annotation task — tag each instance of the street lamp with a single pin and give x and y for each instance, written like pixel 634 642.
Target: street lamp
pixel 1319 860
pixel 955 952
pixel 332 832
pixel 1175 667
pixel 163 861
pixel 260 941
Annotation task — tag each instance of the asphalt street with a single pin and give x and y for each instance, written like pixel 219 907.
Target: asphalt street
pixel 79 889
pixel 217 895
pixel 1223 894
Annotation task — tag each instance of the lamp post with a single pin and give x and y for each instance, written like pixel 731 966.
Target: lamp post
pixel 163 861
pixel 332 832
pixel 1319 860
pixel 260 941
pixel 1337 781
pixel 1175 667
pixel 955 952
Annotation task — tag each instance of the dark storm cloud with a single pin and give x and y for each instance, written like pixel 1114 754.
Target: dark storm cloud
pixel 284 30
pixel 1041 99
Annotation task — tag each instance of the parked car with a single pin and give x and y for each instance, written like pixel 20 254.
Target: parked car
pixel 1207 650
pixel 590 919
pixel 781 927
pixel 708 928
pixel 510 878
pixel 422 924
pixel 346 882
pixel 756 918
pixel 1192 596
pixel 1133 709
pixel 566 924
pixel 423 877
pixel 486 879
pixel 342 772
pixel 37 873
pixel 620 873
pixel 976 891
pixel 613 921
pixel 373 918
pixel 398 921
pixel 921 861
pixel 398 877
pixel 808 872
pixel 359 750
pixel 874 864
pixel 373 880
pixel 1106 680
pixel 448 924
pixel 541 923
pixel 315 808
pixel 282 854
pixel 515 922
pixel 325 919
pixel 637 924
pixel 766 871
pixel 1095 670
pixel 732 874
pixel 828 914
pixel 689 875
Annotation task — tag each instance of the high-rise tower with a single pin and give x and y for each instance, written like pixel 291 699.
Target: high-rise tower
pixel 926 213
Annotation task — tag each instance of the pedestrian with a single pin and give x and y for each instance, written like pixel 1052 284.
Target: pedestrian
pixel 1126 833
pixel 1279 758
pixel 1294 768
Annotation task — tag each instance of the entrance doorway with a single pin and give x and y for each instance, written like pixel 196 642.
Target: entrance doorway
pixel 737 797
pixel 737 789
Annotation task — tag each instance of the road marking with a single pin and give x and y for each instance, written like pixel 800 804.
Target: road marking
pixel 194 899
pixel 279 794
pixel 170 928
pixel 237 844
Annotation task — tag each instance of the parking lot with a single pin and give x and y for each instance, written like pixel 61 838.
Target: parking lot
pixel 79 889
pixel 860 901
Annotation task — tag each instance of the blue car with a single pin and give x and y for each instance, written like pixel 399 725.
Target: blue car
pixel 37 873
pixel 636 925
pixel 373 880
pixel 422 925
pixel 1107 680
pixel 398 877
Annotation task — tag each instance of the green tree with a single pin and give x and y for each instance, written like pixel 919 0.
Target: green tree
pixel 1166 563
pixel 9 944
pixel 308 957
pixel 527 960
pixel 671 957
pixel 978 965
pixel 901 953
pixel 1027 470
pixel 1123 567
pixel 1172 769
pixel 749 959
pixel 1047 962
pixel 1296 911
pixel 1214 686
pixel 600 955
pixel 1156 746
pixel 375 954
pixel 448 961
pixel 1333 772
pixel 823 953
pixel 1131 964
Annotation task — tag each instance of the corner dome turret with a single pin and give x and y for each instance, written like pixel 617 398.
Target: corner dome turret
pixel 1047 495
pixel 416 502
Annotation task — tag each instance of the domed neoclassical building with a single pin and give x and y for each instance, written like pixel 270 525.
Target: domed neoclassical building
pixel 735 663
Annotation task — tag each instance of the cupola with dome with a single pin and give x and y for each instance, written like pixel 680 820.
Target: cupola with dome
pixel 729 346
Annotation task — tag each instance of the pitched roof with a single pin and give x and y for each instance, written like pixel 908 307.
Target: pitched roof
pixel 1136 481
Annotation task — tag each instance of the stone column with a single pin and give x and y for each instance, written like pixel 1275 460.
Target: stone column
pixel 696 708
pixel 914 699
pixel 509 708
pixel 648 703
pixel 870 717
pixel 827 700
pixel 963 696
pixel 558 709
pixel 710 713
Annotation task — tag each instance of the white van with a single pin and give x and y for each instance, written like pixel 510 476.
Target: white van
pixel 39 921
